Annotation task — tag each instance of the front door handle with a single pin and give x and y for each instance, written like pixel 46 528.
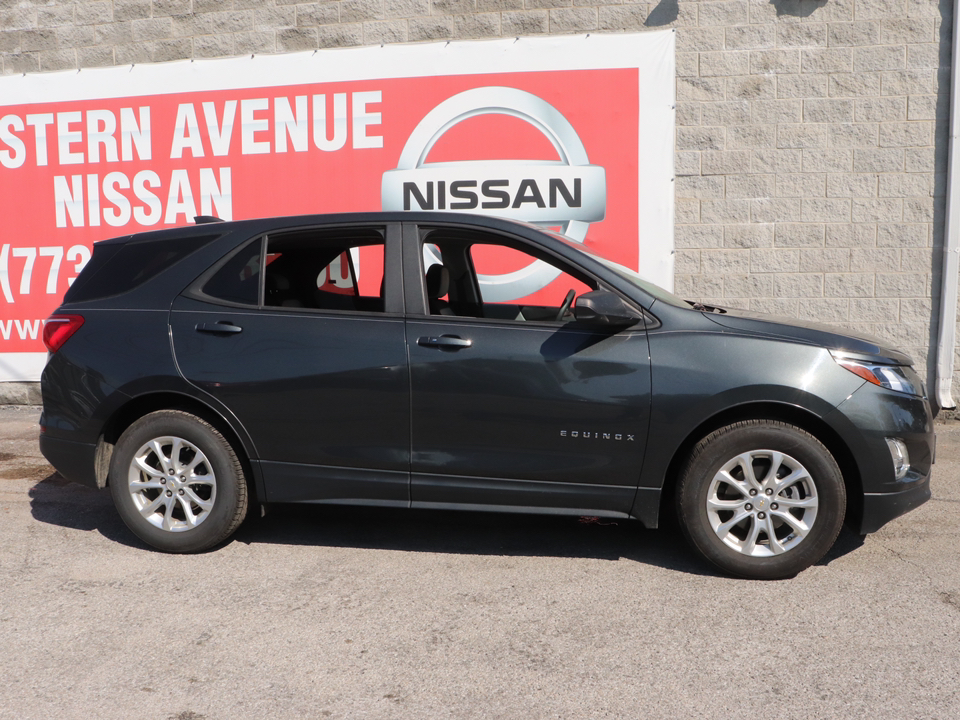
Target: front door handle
pixel 451 342
pixel 224 326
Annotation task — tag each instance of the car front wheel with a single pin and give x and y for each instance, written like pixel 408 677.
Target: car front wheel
pixel 761 499
pixel 177 483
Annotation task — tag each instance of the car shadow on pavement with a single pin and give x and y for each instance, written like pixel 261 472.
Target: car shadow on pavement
pixel 57 501
pixel 473 533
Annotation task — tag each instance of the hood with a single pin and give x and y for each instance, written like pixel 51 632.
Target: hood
pixel 810 333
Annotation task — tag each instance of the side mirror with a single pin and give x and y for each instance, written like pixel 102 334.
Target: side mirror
pixel 604 308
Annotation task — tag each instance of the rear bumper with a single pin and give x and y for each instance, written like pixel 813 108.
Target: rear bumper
pixel 75 461
pixel 881 508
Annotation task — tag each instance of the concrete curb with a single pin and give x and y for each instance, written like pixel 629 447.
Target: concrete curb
pixel 20 393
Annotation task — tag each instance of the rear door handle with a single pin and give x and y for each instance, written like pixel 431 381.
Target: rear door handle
pixel 451 342
pixel 225 327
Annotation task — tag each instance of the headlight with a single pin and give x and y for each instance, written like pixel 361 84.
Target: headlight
pixel 893 377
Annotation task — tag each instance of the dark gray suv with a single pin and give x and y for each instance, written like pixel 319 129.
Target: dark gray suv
pixel 379 359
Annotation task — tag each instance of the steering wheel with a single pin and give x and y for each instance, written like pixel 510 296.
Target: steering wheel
pixel 567 302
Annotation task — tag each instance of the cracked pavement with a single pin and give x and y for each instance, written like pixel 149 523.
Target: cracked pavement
pixel 369 613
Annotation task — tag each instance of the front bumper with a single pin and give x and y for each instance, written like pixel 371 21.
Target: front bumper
pixel 865 420
pixel 881 508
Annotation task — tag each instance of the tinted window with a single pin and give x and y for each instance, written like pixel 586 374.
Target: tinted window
pixel 116 269
pixel 325 270
pixel 239 279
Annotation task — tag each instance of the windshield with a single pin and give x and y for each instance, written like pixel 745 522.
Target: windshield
pixel 631 276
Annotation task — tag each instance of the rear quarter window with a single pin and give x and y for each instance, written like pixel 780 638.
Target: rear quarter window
pixel 115 269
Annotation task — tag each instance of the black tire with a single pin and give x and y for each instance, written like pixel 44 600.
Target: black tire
pixel 198 505
pixel 806 485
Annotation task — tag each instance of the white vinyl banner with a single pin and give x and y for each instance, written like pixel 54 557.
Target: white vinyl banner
pixel 571 133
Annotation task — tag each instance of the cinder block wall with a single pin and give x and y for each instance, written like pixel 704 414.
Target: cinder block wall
pixel 811 134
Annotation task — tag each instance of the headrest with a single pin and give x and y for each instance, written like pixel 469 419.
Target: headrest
pixel 438 282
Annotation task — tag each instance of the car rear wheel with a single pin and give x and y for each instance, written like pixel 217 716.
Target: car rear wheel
pixel 761 499
pixel 177 483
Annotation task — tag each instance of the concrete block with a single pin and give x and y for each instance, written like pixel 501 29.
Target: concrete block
pixel 725 212
pixel 881 9
pixel 749 37
pixel 850 34
pixel 798 285
pixel 825 210
pixel 752 235
pixel 827 60
pixel 417 8
pixel 801 136
pixel 918 260
pixel 686 262
pixel 774 260
pixel 686 163
pixel 328 36
pixel 863 185
pixel 305 38
pixel 875 310
pixel 699 187
pixel 461 7
pixel 93 13
pixel 214 46
pixel 747 286
pixel 854 84
pixel 881 109
pixel 849 235
pixel 774 61
pixel 51 60
pixel 909 82
pixel 848 285
pixel 824 260
pixel 776 161
pixel 801 185
pixel 774 210
pixel 384 32
pixel 698 39
pixel 325 13
pixel 874 259
pixel 623 17
pixel 781 307
pixel 831 160
pixel 20 393
pixel 752 87
pixel 256 42
pixel 686 210
pixel 878 210
pixel 574 20
pixel 723 262
pixel 880 160
pixel 690 237
pixel 906 134
pixel 55 16
pixel 901 285
pixel 834 311
pixel 769 112
pixel 728 62
pixel 824 110
pixel 908 30
pixel 528 22
pixel 688 113
pixel 802 86
pixel 699 137
pixel 725 163
pixel 903 235
pixel 131 9
pixel 151 29
pixel 469 27
pixel 802 35
pixel 90 57
pixel 688 88
pixel 853 135
pixel 799 235
pixel 688 64
pixel 715 14
pixel 730 112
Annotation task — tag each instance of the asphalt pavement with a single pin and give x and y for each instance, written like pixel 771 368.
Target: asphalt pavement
pixel 324 612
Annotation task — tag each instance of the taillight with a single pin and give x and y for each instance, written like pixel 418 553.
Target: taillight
pixel 58 330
